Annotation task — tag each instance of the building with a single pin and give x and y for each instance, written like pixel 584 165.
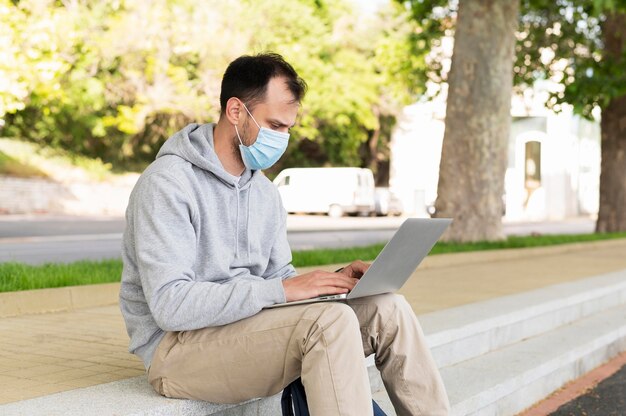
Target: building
pixel 553 169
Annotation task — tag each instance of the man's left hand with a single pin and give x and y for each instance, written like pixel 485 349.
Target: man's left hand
pixel 356 269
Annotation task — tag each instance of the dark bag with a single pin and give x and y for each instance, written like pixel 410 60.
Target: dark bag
pixel 294 402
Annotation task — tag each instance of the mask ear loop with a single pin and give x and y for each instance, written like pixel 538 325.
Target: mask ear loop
pixel 251 116
pixel 238 136
pixel 237 130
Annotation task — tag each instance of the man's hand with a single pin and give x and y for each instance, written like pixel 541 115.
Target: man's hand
pixel 318 282
pixel 356 269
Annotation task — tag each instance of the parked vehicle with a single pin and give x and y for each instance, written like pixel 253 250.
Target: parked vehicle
pixel 334 191
pixel 387 203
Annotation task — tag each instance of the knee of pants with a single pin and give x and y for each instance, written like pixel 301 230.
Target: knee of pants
pixel 389 303
pixel 337 315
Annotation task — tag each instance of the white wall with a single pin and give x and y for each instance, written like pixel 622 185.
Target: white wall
pixel 570 163
pixel 415 156
pixel 26 196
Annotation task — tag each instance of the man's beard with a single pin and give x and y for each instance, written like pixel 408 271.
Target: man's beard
pixel 235 141
pixel 234 148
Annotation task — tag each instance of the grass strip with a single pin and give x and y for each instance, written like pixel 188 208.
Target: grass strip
pixel 337 256
pixel 20 276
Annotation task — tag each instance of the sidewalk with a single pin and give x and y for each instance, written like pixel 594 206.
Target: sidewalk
pixel 48 353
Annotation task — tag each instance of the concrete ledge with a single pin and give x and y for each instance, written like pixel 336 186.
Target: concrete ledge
pixel 510 379
pixel 131 397
pixel 77 196
pixel 135 397
pixel 57 299
pixel 463 332
pixel 521 348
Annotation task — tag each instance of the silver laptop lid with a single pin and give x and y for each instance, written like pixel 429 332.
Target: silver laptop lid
pixel 400 257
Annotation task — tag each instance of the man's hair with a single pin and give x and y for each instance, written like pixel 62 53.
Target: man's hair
pixel 247 77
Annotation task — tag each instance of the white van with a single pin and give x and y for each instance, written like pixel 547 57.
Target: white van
pixel 334 191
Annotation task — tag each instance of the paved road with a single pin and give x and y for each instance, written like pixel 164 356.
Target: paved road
pixel 607 399
pixel 37 240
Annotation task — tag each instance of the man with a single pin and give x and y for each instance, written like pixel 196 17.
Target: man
pixel 205 250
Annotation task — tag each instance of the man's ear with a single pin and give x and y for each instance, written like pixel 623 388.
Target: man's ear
pixel 233 110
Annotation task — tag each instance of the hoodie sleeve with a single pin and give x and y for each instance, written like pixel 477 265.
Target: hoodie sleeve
pixel 279 266
pixel 165 248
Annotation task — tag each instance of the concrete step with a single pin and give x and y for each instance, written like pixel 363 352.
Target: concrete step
pixel 135 397
pixel 132 397
pixel 496 357
pixel 508 380
pixel 464 332
pixel 500 356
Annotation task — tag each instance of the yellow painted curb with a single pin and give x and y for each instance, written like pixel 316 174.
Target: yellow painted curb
pixel 492 256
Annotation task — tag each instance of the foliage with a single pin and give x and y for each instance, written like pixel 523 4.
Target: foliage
pixel 563 41
pixel 115 78
pixel 560 41
pixel 53 63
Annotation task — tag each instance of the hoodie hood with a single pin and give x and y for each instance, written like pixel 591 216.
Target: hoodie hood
pixel 195 144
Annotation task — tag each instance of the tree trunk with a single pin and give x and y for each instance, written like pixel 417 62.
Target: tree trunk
pixel 478 119
pixel 612 213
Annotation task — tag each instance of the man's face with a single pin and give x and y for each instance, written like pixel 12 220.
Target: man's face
pixel 277 112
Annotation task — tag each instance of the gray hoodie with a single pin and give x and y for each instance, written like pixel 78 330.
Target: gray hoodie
pixel 200 247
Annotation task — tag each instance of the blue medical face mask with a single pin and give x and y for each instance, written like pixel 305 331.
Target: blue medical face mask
pixel 266 150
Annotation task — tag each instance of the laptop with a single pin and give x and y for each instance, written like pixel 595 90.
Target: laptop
pixel 395 263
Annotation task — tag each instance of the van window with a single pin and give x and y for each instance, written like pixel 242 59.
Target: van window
pixel 284 181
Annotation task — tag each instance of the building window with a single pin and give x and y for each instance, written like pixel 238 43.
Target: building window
pixel 532 168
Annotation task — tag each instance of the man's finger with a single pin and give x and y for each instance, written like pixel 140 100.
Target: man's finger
pixel 360 266
pixel 329 290
pixel 338 279
pixel 347 282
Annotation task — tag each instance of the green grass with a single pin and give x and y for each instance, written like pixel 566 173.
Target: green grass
pixel 25 159
pixel 13 167
pixel 19 276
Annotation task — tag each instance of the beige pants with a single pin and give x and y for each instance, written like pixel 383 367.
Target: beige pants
pixel 322 342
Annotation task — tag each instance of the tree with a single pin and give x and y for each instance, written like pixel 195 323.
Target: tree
pixel 360 74
pixel 578 44
pixel 120 100
pixel 581 44
pixel 612 215
pixel 473 160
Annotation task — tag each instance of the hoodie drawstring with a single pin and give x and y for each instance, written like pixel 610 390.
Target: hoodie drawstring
pixel 248 222
pixel 237 223
pixel 247 229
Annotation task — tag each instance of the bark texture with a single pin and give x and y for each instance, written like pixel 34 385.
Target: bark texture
pixel 612 213
pixel 478 119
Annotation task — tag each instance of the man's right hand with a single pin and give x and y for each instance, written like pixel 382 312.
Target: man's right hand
pixel 317 283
